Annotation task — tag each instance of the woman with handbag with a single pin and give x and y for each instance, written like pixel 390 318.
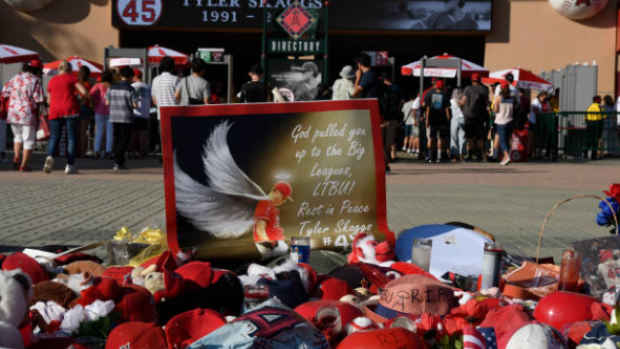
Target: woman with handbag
pixel 25 93
pixel 64 111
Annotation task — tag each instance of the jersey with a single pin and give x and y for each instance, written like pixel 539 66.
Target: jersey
pixel 266 327
pixel 267 211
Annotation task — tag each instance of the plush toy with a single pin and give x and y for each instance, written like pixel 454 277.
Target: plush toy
pixel 15 293
pixel 162 284
pixel 367 250
pixel 81 267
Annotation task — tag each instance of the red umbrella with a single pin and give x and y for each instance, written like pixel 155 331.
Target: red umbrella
pixel 12 54
pixel 76 62
pixel 157 53
pixel 523 79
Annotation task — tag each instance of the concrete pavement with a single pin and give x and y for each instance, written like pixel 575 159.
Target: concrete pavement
pixel 509 202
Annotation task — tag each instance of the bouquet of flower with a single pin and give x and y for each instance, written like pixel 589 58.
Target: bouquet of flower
pixel 605 218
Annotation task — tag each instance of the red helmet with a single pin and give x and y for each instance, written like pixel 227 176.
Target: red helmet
pixel 560 308
pixel 391 338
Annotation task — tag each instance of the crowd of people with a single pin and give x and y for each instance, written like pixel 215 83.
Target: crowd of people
pixel 112 117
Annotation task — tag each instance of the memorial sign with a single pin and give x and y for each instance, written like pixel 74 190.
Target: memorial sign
pixel 242 180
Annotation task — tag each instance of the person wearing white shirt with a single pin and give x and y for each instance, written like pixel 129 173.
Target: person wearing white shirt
pixel 514 92
pixel 411 112
pixel 458 142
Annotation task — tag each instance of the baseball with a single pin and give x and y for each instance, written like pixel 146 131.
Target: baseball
pixel 28 5
pixel 578 9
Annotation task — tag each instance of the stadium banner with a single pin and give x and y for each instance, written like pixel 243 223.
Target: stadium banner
pixel 242 180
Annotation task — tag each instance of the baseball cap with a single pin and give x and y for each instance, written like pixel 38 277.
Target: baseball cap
pixel 333 289
pixel 135 303
pixel 137 73
pixel 290 292
pixel 122 275
pixel 137 335
pixel 504 84
pixel 439 84
pixel 536 336
pixel 424 295
pixel 309 67
pixel 103 289
pixel 560 308
pixel 347 311
pixel 285 189
pixel 196 274
pixel 506 321
pixel 174 284
pixel 35 63
pixel 398 338
pixel 186 328
pixel 28 265
pixel 475 77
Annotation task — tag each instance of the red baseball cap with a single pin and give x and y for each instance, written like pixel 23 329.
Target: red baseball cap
pixel 439 84
pixel 136 303
pixel 35 63
pixel 196 274
pixel 137 335
pixel 285 189
pixel 103 289
pixel 475 77
pixel 122 275
pixel 504 84
pixel 137 73
pixel 333 289
pixel 347 311
pixel 186 328
pixel 175 286
pixel 390 338
pixel 28 265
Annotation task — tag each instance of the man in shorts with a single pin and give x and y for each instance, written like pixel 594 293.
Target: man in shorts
pixel 474 104
pixel 411 114
pixel 437 121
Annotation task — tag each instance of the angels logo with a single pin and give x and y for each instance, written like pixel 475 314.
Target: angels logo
pixel 231 204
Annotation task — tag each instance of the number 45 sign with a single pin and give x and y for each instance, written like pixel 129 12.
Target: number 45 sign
pixel 140 12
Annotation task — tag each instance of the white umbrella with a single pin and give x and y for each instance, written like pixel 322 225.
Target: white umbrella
pixel 12 54
pixel 467 69
pixel 522 79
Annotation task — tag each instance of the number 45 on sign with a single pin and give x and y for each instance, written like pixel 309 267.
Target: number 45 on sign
pixel 139 12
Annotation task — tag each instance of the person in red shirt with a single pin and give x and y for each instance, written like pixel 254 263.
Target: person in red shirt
pixel 64 111
pixel 268 235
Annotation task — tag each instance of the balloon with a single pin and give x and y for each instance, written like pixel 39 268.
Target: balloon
pixel 578 9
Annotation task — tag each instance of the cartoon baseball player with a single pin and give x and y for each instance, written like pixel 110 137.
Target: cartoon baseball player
pixel 231 205
pixel 268 235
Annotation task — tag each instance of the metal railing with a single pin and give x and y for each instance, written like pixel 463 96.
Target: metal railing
pixel 577 134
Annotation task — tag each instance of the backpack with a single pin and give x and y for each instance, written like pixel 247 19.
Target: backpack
pixel 388 100
pixel 520 114
pixel 475 104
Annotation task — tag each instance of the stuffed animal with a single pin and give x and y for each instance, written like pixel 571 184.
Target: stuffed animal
pixel 81 267
pixel 15 293
pixel 367 250
pixel 162 285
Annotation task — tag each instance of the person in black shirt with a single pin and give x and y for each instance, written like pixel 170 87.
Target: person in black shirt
pixel 366 82
pixel 254 91
pixel 392 115
pixel 437 106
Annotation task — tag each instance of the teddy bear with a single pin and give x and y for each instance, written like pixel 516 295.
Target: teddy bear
pixel 162 284
pixel 15 293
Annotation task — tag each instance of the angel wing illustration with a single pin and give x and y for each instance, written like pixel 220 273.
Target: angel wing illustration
pixel 225 206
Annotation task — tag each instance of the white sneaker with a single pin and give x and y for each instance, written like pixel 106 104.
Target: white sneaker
pixel 404 148
pixel 505 162
pixel 71 169
pixel 49 163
